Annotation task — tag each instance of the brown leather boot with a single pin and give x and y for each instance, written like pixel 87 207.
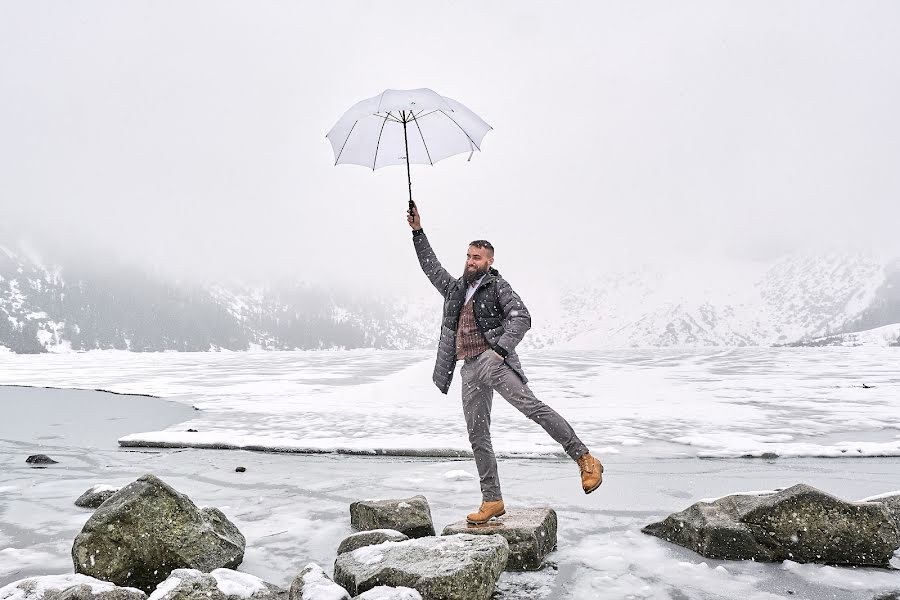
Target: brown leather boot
pixel 486 512
pixel 591 472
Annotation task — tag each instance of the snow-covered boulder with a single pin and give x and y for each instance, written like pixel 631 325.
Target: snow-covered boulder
pixel 530 532
pixel 71 586
pixel 439 568
pixel 147 529
pixel 801 524
pixel 220 584
pixel 95 496
pixel 312 583
pixel 370 538
pixel 384 592
pixel 409 516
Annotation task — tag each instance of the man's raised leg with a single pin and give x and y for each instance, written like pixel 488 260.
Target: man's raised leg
pixel 508 383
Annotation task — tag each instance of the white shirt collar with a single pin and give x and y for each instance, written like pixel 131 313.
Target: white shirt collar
pixel 470 291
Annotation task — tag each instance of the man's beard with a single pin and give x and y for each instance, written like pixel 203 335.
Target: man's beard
pixel 473 275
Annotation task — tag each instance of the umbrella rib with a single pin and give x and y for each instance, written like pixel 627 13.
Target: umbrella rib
pixel 345 142
pixel 389 117
pixel 378 143
pixel 423 140
pixel 460 128
pixel 380 99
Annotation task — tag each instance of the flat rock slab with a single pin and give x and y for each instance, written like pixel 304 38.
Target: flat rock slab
pixel 370 538
pixel 220 584
pixel 409 516
pixel 530 532
pixel 800 523
pixel 454 567
pixel 71 586
pixel 383 592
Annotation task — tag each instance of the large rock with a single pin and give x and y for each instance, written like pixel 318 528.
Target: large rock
pixel 800 523
pixel 220 584
pixel 312 583
pixel 146 530
pixel 369 538
pixel 409 516
pixel 71 586
pixel 530 532
pixel 453 567
pixel 95 496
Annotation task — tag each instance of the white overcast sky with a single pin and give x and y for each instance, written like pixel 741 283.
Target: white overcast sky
pixel 191 134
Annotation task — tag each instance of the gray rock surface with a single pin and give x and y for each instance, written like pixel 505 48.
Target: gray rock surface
pixel 409 516
pixel 220 584
pixel 146 530
pixel 800 523
pixel 370 538
pixel 95 496
pixel 70 586
pixel 384 592
pixel 530 532
pixel 453 567
pixel 892 503
pixel 312 583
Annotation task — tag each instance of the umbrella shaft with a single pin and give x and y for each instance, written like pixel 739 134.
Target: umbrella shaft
pixel 406 144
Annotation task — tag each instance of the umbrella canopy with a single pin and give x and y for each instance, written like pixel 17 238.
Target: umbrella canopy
pixel 405 126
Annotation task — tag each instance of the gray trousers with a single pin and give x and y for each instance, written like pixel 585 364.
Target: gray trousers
pixel 483 374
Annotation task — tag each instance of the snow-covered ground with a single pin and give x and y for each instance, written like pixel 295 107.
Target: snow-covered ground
pixel 880 336
pixel 651 415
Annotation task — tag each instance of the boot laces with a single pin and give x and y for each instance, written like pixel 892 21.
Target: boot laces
pixel 585 464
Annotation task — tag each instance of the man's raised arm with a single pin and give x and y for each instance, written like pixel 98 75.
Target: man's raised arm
pixel 437 274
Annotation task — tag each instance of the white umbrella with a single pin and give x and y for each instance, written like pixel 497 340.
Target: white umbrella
pixel 405 126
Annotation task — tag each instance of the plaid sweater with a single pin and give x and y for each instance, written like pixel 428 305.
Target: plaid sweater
pixel 469 339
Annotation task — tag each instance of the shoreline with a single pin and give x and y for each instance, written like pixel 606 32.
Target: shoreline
pixel 79 389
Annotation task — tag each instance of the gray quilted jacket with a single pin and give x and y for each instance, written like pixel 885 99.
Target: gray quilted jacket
pixel 499 313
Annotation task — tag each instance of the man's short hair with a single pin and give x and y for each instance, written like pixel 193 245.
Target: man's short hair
pixel 483 244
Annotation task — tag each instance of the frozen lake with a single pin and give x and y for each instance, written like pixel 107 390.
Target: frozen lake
pixel 670 426
pixel 722 403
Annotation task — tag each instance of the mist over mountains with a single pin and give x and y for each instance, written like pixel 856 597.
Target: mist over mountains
pixel 53 308
pixel 796 300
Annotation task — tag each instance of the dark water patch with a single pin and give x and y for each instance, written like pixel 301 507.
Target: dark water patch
pixel 82 418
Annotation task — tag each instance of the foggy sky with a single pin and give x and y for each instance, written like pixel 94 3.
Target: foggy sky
pixel 190 135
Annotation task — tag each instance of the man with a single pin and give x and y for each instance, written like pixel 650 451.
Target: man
pixel 483 321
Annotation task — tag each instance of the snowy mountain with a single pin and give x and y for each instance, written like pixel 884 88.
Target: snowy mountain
pixel 61 309
pixel 796 300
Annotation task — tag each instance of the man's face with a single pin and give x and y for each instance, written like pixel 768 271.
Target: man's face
pixel 478 261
